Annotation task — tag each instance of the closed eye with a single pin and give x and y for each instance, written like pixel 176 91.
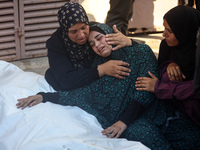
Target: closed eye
pixel 84 27
pixel 91 43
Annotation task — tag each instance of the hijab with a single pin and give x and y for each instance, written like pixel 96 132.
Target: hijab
pixel 184 22
pixel 197 69
pixel 68 15
pixel 101 28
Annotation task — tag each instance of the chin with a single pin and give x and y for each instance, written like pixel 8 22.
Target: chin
pixel 106 55
pixel 81 43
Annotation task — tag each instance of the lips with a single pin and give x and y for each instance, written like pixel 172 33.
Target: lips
pixel 82 40
pixel 101 49
pixel 167 41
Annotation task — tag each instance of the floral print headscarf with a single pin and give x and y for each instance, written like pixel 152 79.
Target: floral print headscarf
pixel 68 15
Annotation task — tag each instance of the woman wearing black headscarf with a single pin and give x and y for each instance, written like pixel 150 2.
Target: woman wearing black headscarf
pixel 70 55
pixel 177 58
pixel 197 69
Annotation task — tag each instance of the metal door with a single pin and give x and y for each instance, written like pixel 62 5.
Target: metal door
pixel 9 23
pixel 25 25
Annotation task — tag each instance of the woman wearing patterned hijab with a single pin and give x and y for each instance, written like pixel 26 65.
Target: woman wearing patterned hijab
pixel 70 56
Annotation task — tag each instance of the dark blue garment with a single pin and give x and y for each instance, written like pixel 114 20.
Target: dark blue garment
pixel 109 97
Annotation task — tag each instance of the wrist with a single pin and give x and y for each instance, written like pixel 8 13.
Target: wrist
pixel 100 70
pixel 129 42
pixel 132 42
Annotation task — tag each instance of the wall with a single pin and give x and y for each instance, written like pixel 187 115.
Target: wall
pixel 147 14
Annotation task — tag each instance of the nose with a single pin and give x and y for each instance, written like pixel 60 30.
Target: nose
pixel 80 34
pixel 97 44
pixel 164 33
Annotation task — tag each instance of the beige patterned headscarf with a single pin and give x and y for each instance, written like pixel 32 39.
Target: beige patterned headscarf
pixel 68 15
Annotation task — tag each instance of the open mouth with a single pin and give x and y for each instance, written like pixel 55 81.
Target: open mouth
pixel 82 40
pixel 101 49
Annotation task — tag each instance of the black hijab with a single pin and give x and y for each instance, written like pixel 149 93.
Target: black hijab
pixel 184 22
pixel 68 15
pixel 197 69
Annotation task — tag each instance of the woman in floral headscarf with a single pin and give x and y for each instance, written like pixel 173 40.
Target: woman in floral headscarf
pixel 70 56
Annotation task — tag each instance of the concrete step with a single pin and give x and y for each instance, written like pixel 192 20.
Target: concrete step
pixel 38 65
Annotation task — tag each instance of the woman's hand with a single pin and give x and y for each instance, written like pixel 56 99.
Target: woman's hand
pixel 146 83
pixel 29 101
pixel 115 68
pixel 118 39
pixel 174 72
pixel 115 130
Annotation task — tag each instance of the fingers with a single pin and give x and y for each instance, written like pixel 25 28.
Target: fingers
pixel 115 130
pixel 115 29
pixel 118 134
pixel 141 85
pixel 116 47
pixel 183 76
pixel 118 76
pixel 29 101
pixel 115 68
pixel 121 63
pixel 174 72
pixel 35 102
pixel 107 131
pixel 177 74
pixel 112 39
pixel 173 75
pixel 146 83
pixel 151 74
pixel 121 74
pixel 111 132
pixel 121 70
pixel 24 102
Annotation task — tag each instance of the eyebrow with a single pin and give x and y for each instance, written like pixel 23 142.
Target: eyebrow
pixel 97 35
pixel 94 37
pixel 169 29
pixel 76 29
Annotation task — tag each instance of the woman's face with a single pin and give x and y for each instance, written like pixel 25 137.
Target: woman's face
pixel 99 45
pixel 169 35
pixel 79 33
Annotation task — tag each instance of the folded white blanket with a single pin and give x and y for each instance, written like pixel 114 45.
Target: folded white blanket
pixel 47 126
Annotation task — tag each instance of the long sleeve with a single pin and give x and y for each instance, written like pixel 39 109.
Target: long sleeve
pixel 108 98
pixel 141 99
pixel 62 75
pixel 135 110
pixel 51 97
pixel 166 89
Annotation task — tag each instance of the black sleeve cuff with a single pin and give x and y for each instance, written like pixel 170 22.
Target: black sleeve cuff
pixel 51 97
pixel 135 109
pixel 133 42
